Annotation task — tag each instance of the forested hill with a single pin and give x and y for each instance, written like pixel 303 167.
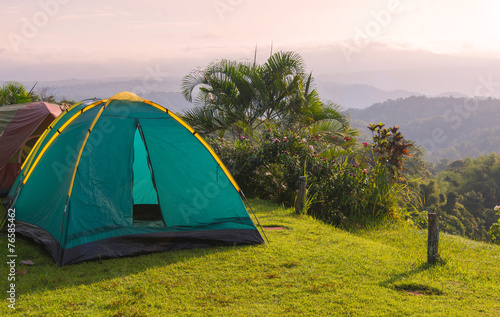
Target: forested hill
pixel 447 127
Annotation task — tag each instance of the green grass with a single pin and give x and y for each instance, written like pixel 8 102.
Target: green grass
pixel 308 269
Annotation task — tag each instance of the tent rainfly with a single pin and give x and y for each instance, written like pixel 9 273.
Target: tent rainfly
pixel 20 127
pixel 125 176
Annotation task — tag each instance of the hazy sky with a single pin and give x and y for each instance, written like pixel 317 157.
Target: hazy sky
pixel 62 39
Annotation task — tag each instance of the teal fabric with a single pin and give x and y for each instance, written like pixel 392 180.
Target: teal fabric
pixel 113 174
pixel 56 127
pixel 193 189
pixel 38 149
pixel 42 200
pixel 102 190
pixel 143 190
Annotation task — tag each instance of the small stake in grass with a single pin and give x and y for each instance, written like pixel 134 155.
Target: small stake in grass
pixel 433 240
pixel 300 202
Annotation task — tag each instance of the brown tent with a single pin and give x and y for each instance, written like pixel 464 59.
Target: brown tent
pixel 20 127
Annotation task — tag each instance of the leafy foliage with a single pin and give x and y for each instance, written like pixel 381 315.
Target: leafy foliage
pixel 346 186
pixel 494 231
pixel 464 195
pixel 389 146
pixel 447 127
pixel 230 95
pixel 12 92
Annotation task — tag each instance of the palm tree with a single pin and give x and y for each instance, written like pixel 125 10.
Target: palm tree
pixel 225 96
pixel 13 92
pixel 282 81
pixel 233 96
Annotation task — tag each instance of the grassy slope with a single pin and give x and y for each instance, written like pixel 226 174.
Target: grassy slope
pixel 309 268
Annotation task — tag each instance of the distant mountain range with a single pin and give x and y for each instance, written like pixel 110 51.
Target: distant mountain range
pixel 166 91
pixel 358 96
pixel 449 125
pixel 446 127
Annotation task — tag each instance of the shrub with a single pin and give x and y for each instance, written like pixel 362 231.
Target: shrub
pixel 347 190
pixel 494 231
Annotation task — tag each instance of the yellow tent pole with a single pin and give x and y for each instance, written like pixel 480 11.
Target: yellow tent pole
pixel 216 157
pixel 61 242
pixel 35 148
pixel 42 137
pixel 107 101
pixel 83 146
pixel 58 132
pixel 198 136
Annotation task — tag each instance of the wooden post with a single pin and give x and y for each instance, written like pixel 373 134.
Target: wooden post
pixel 433 240
pixel 300 202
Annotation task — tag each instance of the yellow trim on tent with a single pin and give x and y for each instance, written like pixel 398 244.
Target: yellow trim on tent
pixel 157 106
pixel 205 144
pixel 216 157
pixel 54 137
pixel 181 122
pixel 184 124
pixel 83 145
pixel 35 148
pixel 131 97
pixel 42 137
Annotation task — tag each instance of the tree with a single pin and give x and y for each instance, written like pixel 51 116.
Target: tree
pixel 12 92
pixel 471 189
pixel 234 96
pixel 46 94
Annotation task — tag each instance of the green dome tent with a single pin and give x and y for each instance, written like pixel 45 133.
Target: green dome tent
pixel 125 176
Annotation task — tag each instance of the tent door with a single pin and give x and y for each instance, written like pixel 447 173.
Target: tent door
pixel 146 210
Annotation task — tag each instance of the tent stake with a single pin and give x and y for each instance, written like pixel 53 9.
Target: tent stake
pixel 253 212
